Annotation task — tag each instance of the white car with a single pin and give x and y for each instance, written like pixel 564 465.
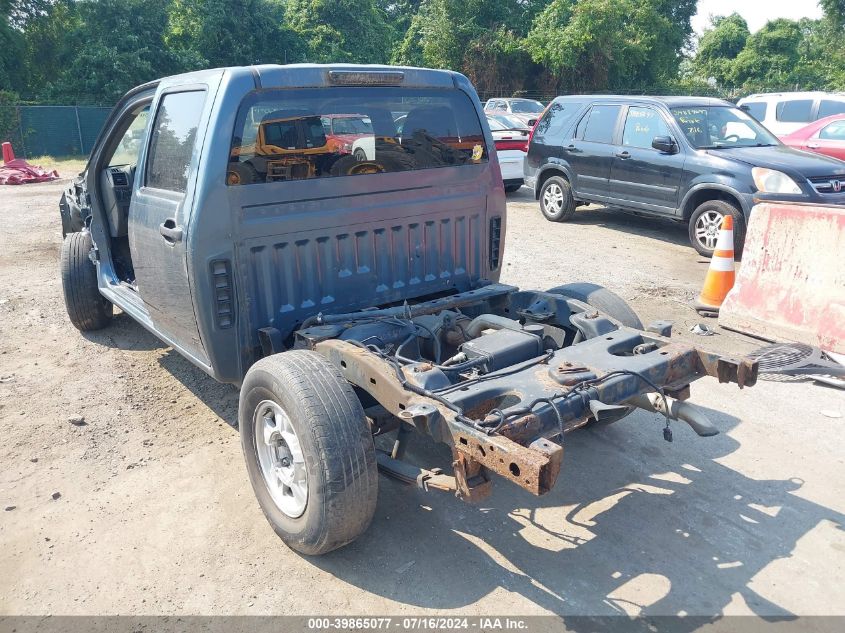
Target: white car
pixel 784 112
pixel 511 138
pixel 364 148
pixel 526 110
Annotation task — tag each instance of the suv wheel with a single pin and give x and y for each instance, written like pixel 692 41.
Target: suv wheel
pixel 87 308
pixel 556 201
pixel 706 221
pixel 308 450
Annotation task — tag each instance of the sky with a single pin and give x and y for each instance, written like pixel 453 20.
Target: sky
pixel 755 12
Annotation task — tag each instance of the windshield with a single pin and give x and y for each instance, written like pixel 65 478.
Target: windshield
pixel 526 107
pixel 715 127
pixel 507 122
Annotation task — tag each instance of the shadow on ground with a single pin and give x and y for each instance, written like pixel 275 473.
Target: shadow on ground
pixel 635 525
pixel 124 333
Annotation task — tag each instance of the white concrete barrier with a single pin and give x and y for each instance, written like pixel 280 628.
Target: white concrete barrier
pixel 791 283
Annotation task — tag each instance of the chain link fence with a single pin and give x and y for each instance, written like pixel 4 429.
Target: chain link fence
pixel 52 130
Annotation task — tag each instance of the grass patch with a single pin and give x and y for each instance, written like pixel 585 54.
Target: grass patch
pixel 67 166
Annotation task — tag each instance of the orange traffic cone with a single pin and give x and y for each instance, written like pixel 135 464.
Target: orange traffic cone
pixel 8 153
pixel 720 275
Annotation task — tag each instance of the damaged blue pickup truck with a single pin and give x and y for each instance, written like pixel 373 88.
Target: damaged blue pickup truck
pixel 348 283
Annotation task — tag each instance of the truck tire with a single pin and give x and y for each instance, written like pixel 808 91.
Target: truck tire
pixel 344 166
pixel 556 201
pixel 309 451
pixel 242 174
pixel 601 299
pixel 705 222
pixel 87 308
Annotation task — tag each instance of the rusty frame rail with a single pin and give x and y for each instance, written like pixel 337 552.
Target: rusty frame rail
pixel 464 415
pixel 534 468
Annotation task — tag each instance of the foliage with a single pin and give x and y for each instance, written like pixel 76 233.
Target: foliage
pixel 783 55
pixel 595 44
pixel 111 46
pixel 443 31
pixel 11 46
pixel 834 11
pixel 341 30
pixel 92 51
pixel 222 33
pixel 9 115
pixel 719 46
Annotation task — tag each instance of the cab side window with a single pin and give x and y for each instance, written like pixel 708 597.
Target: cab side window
pixel 642 125
pixel 599 124
pixel 795 111
pixel 172 142
pixel 828 107
pixel 757 109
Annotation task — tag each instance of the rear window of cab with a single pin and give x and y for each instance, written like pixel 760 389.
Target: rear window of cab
pixel 296 134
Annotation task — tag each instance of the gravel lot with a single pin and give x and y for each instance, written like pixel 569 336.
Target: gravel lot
pixel 145 508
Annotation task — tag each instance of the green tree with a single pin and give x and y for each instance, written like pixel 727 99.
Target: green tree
pixel 777 58
pixel 115 45
pixel 834 11
pixel 608 44
pixel 225 33
pixel 444 30
pixel 341 30
pixel 719 46
pixel 47 50
pixel 11 47
pixel 399 13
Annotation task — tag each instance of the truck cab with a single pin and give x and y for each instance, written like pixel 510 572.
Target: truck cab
pixel 351 296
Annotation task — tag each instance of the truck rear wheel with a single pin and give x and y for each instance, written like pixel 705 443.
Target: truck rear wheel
pixel 601 299
pixel 309 451
pixel 87 308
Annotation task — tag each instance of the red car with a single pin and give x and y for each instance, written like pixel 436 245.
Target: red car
pixel 825 136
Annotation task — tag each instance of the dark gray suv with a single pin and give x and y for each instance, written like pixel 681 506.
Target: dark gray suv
pixel 691 159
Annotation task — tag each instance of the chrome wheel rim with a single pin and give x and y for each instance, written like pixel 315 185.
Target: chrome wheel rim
pixel 707 228
pixel 553 198
pixel 280 458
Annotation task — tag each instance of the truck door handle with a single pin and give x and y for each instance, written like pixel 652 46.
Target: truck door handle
pixel 170 231
pixel 571 148
pixel 623 155
pixel 813 145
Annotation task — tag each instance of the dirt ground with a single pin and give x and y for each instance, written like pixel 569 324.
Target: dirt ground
pixel 146 508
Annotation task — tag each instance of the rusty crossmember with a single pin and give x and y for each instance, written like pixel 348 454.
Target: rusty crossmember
pixel 534 467
pixel 519 451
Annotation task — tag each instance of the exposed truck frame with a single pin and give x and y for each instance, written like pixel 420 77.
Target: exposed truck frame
pixel 350 305
pixel 504 420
